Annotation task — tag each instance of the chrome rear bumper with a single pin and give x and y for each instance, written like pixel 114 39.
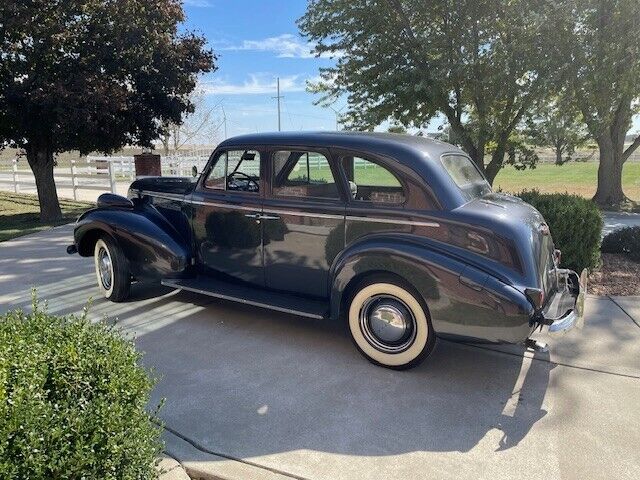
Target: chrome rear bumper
pixel 565 310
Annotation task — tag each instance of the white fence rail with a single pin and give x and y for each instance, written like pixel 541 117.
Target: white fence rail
pixel 92 173
pixel 79 175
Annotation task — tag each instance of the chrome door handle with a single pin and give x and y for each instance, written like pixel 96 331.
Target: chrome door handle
pixel 268 217
pixel 252 215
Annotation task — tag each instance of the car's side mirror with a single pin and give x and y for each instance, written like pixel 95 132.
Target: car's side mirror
pixel 194 171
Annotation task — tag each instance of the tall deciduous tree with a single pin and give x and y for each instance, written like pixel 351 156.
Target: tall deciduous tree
pixel 480 63
pixel 557 125
pixel 200 126
pixel 600 40
pixel 92 75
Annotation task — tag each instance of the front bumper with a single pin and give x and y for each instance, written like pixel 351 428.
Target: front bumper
pixel 565 309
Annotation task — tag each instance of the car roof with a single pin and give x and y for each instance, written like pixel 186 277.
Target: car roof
pixel 374 142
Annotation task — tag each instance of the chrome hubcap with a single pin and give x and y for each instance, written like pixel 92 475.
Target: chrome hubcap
pixel 387 323
pixel 104 268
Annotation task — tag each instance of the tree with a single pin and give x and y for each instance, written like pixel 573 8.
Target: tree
pixel 481 64
pixel 558 126
pixel 201 125
pixel 92 75
pixel 601 42
pixel 397 128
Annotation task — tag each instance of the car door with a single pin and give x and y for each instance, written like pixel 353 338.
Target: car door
pixel 303 226
pixel 227 203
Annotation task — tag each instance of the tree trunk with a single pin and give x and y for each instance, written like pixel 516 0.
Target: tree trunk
pixel 497 161
pixel 41 163
pixel 494 166
pixel 559 160
pixel 609 191
pixel 477 155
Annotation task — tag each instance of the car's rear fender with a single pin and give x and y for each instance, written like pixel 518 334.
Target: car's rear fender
pixel 152 246
pixel 463 301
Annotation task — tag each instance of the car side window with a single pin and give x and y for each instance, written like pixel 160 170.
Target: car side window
pixel 301 173
pixel 235 170
pixel 371 182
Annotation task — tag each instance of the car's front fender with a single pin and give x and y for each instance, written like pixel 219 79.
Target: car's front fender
pixel 152 246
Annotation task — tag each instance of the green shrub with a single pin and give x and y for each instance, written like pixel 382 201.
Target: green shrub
pixel 625 241
pixel 575 224
pixel 72 401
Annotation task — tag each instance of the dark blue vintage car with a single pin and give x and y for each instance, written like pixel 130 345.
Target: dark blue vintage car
pixel 400 236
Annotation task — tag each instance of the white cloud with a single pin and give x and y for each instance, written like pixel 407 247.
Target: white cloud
pixel 255 85
pixel 198 3
pixel 284 46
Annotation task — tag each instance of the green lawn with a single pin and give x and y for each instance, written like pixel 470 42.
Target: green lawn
pixel 19 214
pixel 574 177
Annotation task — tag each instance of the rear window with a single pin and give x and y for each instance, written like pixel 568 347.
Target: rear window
pixel 465 175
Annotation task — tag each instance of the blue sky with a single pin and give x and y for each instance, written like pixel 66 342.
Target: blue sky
pixel 257 41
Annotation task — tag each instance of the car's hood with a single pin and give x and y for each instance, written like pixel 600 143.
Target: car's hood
pixel 173 185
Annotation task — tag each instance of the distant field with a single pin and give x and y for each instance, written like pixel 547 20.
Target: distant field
pixel 578 178
pixel 574 177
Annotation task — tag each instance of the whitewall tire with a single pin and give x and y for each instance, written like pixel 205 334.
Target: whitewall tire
pixel 389 324
pixel 112 270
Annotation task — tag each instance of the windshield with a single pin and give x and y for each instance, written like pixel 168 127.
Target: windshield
pixel 466 175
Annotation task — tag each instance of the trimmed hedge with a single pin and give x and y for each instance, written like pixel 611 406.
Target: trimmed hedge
pixel 625 241
pixel 575 224
pixel 73 401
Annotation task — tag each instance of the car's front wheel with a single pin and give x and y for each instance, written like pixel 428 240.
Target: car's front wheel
pixel 112 270
pixel 389 323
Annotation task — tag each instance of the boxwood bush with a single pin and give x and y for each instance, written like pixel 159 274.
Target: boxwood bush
pixel 575 224
pixel 73 401
pixel 625 241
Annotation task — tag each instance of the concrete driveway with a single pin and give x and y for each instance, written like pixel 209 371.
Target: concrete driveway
pixel 256 394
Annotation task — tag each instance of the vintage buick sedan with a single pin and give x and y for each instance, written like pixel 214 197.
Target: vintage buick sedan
pixel 400 236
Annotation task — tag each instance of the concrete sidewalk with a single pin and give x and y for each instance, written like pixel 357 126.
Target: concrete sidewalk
pixel 257 394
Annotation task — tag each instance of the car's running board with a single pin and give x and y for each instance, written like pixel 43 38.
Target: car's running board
pixel 280 302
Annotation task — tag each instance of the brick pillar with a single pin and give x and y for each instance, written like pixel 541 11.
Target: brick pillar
pixel 147 165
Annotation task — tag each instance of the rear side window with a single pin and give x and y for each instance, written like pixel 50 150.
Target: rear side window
pixel 371 182
pixel 465 175
pixel 303 174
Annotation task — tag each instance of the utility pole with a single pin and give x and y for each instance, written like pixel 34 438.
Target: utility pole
pixel 224 120
pixel 278 97
pixel 337 112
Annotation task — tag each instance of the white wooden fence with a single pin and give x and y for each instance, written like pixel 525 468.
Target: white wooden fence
pixel 79 175
pixel 92 173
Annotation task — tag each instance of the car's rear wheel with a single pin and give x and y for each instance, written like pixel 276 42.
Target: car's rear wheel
pixel 389 323
pixel 112 270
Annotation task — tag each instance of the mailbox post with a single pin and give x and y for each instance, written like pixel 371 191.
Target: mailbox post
pixel 147 165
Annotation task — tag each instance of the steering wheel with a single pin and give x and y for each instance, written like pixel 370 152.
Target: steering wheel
pixel 251 184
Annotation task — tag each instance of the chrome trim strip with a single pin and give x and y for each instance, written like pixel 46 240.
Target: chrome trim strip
pixel 231 206
pixel 276 211
pixel 209 293
pixel 394 221
pixel 304 214
pixel 166 196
